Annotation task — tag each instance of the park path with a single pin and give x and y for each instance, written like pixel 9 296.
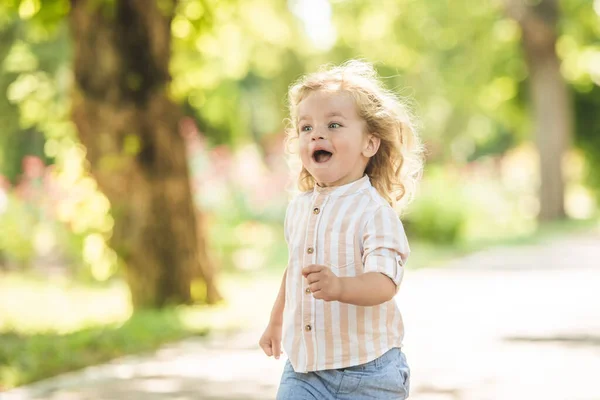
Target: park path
pixel 519 323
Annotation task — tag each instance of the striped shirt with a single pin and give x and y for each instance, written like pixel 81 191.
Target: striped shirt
pixel 352 230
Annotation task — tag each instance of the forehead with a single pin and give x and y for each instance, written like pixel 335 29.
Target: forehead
pixel 322 104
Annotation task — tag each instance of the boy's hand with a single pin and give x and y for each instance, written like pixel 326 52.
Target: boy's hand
pixel 270 340
pixel 323 283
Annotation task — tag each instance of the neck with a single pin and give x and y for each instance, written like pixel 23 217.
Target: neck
pixel 338 183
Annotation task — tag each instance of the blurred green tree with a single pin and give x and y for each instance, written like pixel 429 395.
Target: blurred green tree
pixel 551 104
pixel 129 126
pixel 486 75
pixel 233 72
pixel 464 63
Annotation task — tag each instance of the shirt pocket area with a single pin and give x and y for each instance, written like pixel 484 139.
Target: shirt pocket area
pixel 342 258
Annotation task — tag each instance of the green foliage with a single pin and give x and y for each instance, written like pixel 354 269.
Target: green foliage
pixel 232 64
pixel 233 61
pixel 438 214
pixel 36 75
pixel 579 48
pixel 588 132
pixel 459 61
pixel 18 222
pixel 437 220
pixel 34 50
pixel 241 238
pixel 26 358
pixel 492 206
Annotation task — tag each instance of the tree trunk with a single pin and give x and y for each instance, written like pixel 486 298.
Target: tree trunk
pixel 130 130
pixel 552 108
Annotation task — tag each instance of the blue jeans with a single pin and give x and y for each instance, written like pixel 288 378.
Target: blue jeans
pixel 387 377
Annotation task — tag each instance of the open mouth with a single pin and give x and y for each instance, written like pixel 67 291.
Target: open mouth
pixel 321 156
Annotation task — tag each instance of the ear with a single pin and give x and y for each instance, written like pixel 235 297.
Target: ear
pixel 371 146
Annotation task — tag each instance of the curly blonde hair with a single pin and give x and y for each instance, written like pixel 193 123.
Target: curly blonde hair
pixel 397 166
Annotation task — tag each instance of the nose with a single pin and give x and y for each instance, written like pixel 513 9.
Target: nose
pixel 317 134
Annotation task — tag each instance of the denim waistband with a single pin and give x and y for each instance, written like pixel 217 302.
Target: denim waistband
pixel 389 356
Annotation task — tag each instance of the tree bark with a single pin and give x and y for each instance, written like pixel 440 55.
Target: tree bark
pixel 551 103
pixel 130 130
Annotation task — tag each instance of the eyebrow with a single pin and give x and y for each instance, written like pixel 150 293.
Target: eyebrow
pixel 331 114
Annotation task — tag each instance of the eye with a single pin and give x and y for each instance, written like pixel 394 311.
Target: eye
pixel 334 125
pixel 306 128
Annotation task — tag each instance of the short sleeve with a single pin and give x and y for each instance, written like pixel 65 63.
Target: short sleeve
pixel 385 245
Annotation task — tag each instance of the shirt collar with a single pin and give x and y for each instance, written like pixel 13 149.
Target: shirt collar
pixel 344 190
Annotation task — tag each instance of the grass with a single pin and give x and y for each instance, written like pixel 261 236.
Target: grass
pixel 50 326
pixel 54 325
pixel 25 358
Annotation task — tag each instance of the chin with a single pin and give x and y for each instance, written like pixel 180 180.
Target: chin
pixel 326 179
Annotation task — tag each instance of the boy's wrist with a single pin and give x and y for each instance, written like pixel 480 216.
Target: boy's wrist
pixel 276 320
pixel 342 289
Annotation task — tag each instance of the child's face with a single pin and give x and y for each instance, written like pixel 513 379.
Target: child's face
pixel 333 143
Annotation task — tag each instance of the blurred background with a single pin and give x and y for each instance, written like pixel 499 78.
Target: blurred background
pixel 143 176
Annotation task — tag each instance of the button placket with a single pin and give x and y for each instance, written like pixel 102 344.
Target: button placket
pixel 310 257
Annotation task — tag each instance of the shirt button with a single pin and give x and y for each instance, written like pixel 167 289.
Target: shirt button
pixel 310 250
pixel 308 328
pixel 316 210
pixel 307 291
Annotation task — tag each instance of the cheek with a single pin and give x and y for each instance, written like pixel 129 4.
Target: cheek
pixel 302 144
pixel 348 148
pixel 303 147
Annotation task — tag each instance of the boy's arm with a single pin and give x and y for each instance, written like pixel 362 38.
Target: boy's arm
pixel 270 340
pixel 370 289
pixel 277 311
pixel 385 252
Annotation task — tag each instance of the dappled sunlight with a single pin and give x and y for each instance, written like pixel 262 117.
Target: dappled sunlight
pixel 43 315
pixel 143 160
pixel 31 305
pixel 316 17
pixel 246 301
pixel 177 375
pixel 475 342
